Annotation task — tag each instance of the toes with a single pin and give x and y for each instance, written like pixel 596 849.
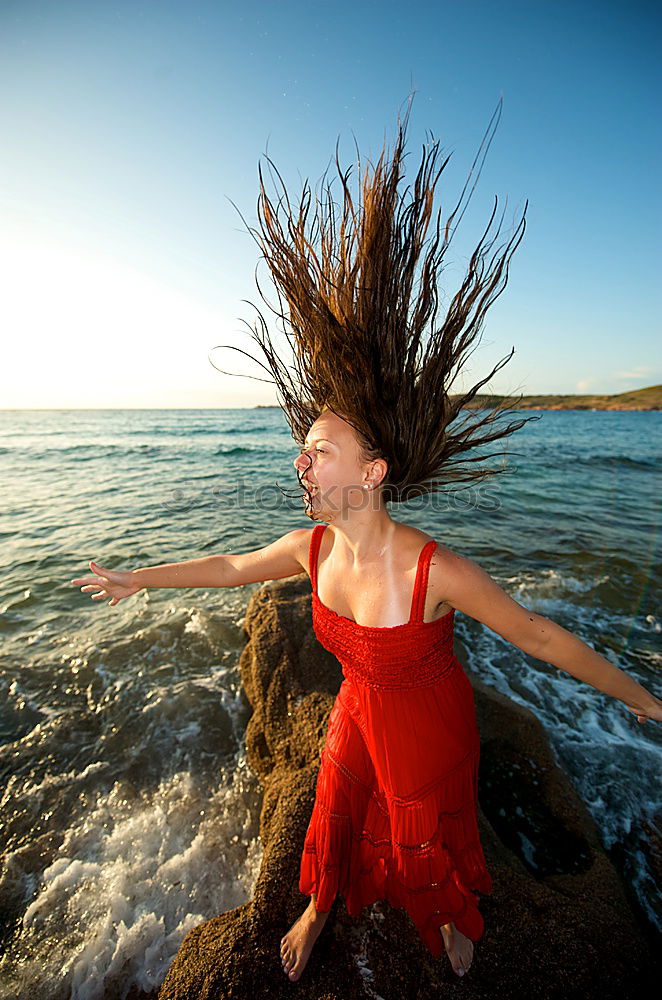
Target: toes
pixel 463 965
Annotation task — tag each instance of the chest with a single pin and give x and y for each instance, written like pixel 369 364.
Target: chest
pixel 380 598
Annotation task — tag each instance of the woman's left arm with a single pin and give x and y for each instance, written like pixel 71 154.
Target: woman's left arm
pixel 468 588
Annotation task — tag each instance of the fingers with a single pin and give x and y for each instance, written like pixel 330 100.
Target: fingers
pixel 99 570
pixel 93 586
pixel 102 595
pixel 88 584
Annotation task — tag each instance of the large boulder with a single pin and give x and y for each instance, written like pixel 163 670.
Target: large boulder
pixel 558 925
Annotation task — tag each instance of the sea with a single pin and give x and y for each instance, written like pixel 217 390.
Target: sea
pixel 129 813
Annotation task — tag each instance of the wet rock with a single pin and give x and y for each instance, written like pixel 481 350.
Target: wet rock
pixel 558 925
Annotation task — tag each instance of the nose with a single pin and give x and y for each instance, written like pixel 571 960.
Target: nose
pixel 302 462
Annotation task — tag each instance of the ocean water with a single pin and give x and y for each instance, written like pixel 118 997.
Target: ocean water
pixel 128 811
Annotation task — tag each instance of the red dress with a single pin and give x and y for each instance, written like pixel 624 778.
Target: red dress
pixel 395 804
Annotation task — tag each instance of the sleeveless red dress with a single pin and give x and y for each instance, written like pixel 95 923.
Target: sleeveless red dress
pixel 395 804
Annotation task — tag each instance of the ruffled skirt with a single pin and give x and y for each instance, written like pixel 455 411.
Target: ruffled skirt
pixel 394 816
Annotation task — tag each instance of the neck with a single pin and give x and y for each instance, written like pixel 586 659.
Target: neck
pixel 364 536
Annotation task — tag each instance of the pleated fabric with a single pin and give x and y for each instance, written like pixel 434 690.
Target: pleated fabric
pixel 394 816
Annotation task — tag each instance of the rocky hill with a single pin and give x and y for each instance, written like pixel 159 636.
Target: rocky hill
pixel 637 399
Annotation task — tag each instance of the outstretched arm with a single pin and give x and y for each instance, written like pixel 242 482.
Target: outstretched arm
pixel 468 588
pixel 285 557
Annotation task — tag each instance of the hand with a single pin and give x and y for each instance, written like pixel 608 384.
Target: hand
pixel 653 710
pixel 114 583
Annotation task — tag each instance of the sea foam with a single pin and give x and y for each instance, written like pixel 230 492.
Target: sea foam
pixel 129 882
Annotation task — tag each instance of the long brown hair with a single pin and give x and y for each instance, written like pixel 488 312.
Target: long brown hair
pixel 363 340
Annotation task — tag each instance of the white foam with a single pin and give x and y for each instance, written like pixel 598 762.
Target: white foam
pixel 130 882
pixel 358 944
pixel 196 624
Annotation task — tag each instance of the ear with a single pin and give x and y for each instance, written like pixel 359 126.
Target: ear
pixel 378 472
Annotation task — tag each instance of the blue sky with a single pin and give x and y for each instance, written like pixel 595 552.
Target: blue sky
pixel 128 129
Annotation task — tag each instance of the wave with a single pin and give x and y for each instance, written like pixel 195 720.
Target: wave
pixel 130 879
pixel 249 429
pixel 172 450
pixel 616 461
pixel 235 450
pixel 275 452
pixel 87 452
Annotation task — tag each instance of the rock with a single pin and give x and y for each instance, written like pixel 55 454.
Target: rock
pixel 558 924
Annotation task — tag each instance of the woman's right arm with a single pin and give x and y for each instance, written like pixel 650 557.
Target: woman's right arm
pixel 287 556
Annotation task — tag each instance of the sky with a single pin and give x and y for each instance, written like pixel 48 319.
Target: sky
pixel 132 134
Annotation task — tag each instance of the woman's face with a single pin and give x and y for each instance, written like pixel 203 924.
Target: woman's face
pixel 329 465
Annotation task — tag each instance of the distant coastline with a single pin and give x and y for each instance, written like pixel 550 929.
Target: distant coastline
pixel 638 399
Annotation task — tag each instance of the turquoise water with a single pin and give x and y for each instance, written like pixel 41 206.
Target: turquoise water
pixel 129 814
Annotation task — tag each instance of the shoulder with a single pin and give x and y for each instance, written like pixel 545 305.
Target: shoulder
pixel 300 541
pixel 451 575
pixel 447 565
pixel 409 542
pixel 296 545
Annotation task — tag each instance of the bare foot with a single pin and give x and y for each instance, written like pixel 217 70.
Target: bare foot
pixel 460 949
pixel 297 944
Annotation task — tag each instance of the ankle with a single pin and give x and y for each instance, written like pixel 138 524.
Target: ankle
pixel 314 914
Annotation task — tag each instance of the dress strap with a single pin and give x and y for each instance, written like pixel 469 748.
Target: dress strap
pixel 313 553
pixel 421 583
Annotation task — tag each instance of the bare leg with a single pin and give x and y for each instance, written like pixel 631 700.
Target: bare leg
pixel 460 949
pixel 296 946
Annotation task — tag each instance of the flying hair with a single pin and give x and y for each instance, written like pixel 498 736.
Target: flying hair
pixel 358 300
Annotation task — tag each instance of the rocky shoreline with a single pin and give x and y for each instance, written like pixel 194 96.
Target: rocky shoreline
pixel 636 400
pixel 560 923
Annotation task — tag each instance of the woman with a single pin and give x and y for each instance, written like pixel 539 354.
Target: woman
pixel 395 808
